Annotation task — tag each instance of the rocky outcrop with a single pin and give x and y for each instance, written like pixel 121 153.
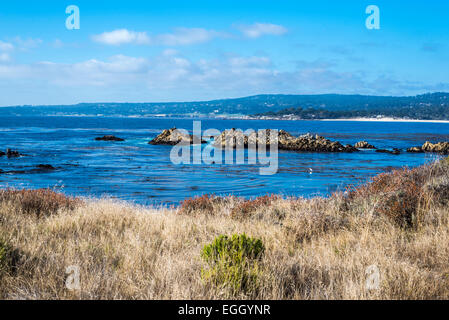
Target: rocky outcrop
pixel 109 138
pixel 364 145
pixel 234 138
pixel 172 137
pixel 395 151
pixel 440 147
pixel 304 143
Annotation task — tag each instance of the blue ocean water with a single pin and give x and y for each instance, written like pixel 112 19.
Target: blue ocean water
pixel 136 171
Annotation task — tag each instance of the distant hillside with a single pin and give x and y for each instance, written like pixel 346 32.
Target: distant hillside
pixel 425 107
pixel 333 105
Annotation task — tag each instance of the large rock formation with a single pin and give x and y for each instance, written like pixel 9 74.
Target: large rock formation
pixel 306 143
pixel 172 137
pixel 440 147
pixel 233 138
pixel 364 145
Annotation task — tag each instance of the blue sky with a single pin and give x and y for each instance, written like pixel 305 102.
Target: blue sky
pixel 140 51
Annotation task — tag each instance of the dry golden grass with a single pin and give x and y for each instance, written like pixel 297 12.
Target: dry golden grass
pixel 314 248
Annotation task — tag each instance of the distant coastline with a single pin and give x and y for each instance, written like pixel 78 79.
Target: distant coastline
pixel 387 119
pixel 236 117
pixel 430 106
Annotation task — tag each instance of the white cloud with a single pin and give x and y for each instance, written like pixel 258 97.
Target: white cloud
pixel 122 36
pixel 179 37
pixel 257 30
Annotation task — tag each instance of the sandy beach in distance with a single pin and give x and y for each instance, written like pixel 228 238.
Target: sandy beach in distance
pixel 386 120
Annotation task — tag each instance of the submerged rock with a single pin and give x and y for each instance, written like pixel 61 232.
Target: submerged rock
pixel 395 151
pixel 306 143
pixel 364 145
pixel 12 153
pixel 46 167
pixel 172 137
pixel 109 138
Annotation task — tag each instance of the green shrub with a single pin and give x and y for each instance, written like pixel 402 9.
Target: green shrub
pixel 233 263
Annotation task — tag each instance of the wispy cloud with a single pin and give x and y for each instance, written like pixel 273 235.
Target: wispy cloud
pixel 183 36
pixel 4 57
pixel 187 36
pixel 6 46
pixel 26 44
pixel 257 30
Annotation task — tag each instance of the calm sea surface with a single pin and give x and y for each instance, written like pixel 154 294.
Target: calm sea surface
pixel 134 170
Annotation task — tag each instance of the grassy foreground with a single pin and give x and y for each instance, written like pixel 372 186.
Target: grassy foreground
pixel 312 249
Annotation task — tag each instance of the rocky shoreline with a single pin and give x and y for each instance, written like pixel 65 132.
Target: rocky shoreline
pixel 234 138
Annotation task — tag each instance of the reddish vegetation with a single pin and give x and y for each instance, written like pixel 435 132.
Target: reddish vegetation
pixel 400 194
pixel 203 203
pixel 39 202
pixel 249 207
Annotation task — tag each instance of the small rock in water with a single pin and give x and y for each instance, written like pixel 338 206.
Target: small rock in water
pixel 109 138
pixel 364 145
pixel 415 150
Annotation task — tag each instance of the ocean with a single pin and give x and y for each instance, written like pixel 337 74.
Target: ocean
pixel 135 171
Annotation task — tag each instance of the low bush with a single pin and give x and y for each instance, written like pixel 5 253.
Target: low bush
pixel 40 202
pixel 233 263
